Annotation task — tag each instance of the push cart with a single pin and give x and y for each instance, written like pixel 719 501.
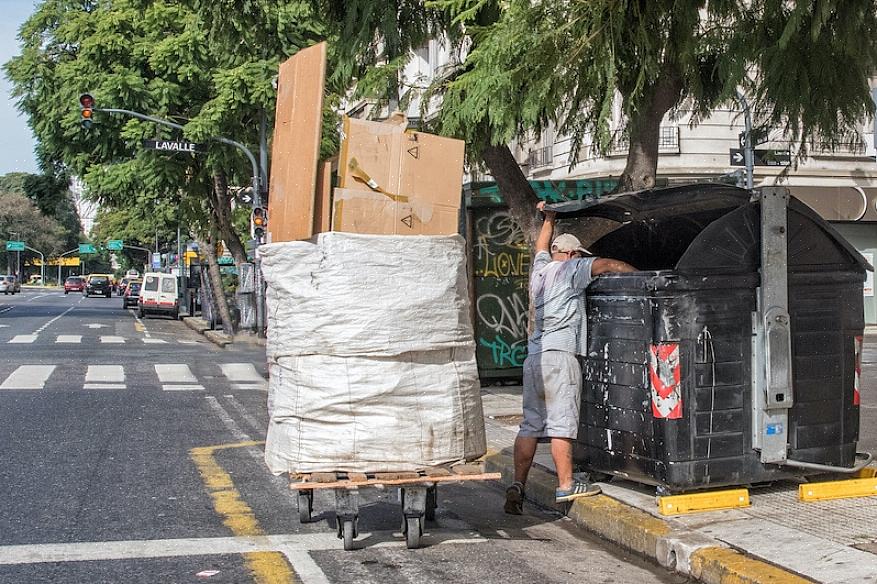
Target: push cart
pixel 419 495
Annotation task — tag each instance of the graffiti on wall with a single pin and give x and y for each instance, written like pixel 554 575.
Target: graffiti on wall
pixel 553 191
pixel 501 261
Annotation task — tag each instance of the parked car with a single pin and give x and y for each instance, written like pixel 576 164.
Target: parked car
pixel 98 284
pixel 132 293
pixel 35 280
pixel 9 284
pixel 158 295
pixel 74 284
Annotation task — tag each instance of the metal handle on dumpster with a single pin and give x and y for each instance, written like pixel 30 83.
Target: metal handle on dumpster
pixel 868 457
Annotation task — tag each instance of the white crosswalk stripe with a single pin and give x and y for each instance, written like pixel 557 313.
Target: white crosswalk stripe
pixel 23 339
pixel 170 376
pixel 69 339
pixel 177 377
pixel 28 377
pixel 244 376
pixel 149 340
pixel 111 339
pixel 104 377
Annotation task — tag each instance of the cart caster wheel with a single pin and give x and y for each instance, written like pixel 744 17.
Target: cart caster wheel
pixel 431 503
pixel 305 506
pixel 348 533
pixel 413 531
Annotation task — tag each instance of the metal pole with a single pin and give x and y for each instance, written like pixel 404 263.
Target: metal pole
pixel 748 154
pixel 42 264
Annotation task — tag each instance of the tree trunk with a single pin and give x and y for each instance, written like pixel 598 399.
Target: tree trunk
pixel 221 205
pixel 515 188
pixel 218 296
pixel 645 130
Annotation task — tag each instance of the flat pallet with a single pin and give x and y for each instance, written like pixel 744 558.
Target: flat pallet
pixel 353 480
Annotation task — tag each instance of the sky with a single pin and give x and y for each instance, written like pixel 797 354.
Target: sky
pixel 16 139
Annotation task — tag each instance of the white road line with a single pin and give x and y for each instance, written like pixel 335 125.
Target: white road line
pixel 23 339
pixel 241 372
pixel 304 565
pixel 226 419
pixel 188 342
pixel 104 386
pixel 48 324
pixel 171 548
pixel 239 407
pixel 154 341
pixel 105 374
pixel 177 387
pixel 69 339
pixel 6 309
pixel 28 377
pixel 111 339
pixel 175 373
pixel 251 386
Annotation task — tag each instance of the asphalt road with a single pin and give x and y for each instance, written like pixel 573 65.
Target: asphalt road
pixel 130 452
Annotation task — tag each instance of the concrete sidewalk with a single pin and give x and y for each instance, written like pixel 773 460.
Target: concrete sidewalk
pixel 776 539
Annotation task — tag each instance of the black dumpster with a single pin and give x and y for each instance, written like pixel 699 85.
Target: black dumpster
pixel 668 379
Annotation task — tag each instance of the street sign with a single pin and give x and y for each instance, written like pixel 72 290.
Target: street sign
pixel 762 157
pixel 759 136
pixel 169 146
pixel 86 248
pixel 115 245
pixel 245 197
pixel 156 260
pixel 14 246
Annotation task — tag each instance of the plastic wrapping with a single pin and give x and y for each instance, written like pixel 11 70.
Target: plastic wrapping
pixel 371 355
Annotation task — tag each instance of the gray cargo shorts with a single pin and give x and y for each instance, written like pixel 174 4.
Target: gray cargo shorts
pixel 552 395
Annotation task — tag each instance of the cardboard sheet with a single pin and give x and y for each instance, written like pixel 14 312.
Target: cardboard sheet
pixel 296 146
pixel 418 175
pixel 376 213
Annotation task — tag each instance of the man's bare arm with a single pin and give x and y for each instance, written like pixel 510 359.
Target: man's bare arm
pixel 610 266
pixel 543 242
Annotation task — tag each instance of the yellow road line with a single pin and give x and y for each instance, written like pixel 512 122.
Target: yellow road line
pixel 138 326
pixel 266 567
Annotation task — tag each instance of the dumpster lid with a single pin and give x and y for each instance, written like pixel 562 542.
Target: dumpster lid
pixel 654 229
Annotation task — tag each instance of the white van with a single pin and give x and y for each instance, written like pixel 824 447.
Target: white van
pixel 158 295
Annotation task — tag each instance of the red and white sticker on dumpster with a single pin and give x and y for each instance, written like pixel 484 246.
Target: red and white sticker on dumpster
pixel 858 380
pixel 665 376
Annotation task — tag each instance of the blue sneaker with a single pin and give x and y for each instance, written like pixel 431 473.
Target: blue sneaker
pixel 578 489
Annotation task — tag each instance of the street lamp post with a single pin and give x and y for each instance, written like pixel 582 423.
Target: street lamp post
pixel 42 264
pixel 59 262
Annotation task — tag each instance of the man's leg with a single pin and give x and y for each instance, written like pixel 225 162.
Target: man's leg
pixel 561 452
pixel 525 450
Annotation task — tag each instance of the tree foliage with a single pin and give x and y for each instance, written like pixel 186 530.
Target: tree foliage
pixel 804 64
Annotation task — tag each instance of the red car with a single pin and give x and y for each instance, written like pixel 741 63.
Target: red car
pixel 74 284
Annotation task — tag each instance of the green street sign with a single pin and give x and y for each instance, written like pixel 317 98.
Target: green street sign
pixel 14 246
pixel 115 245
pixel 86 248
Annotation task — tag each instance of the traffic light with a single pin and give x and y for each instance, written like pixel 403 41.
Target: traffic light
pixel 258 223
pixel 86 102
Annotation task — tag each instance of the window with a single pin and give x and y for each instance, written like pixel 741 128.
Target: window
pixel 169 285
pixel 151 284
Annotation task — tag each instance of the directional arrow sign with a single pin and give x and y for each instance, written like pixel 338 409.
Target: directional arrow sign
pixel 14 246
pixel 86 248
pixel 95 325
pixel 115 245
pixel 759 136
pixel 762 157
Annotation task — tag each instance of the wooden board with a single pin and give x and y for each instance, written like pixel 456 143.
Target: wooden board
pixel 296 145
pixel 420 479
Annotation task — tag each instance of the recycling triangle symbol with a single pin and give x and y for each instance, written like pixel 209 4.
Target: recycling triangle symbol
pixel 409 220
pixel 414 151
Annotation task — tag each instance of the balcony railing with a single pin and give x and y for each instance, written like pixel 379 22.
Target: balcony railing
pixel 668 143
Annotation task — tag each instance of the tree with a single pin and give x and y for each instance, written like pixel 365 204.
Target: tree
pixel 19 216
pixel 160 58
pixel 538 63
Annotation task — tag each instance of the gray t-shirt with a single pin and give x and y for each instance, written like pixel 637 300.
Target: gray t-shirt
pixel 557 290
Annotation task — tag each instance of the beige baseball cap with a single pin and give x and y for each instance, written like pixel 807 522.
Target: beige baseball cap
pixel 566 242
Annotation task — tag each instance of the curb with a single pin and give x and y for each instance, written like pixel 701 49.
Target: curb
pixel 665 541
pixel 198 325
pixel 217 338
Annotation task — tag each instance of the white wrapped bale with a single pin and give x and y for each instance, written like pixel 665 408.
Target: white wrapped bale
pixel 371 354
